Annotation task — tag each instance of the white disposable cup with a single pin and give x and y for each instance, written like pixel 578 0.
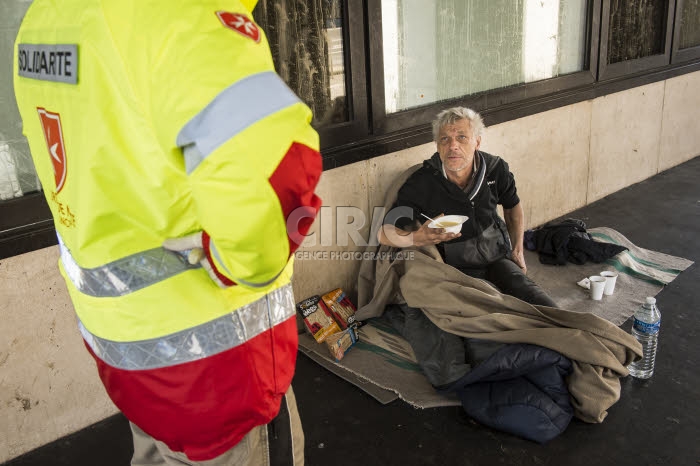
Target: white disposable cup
pixel 610 279
pixel 597 287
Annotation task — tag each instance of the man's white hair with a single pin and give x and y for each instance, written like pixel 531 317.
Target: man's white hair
pixel 454 114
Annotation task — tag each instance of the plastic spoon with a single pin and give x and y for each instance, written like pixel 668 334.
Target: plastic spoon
pixel 438 224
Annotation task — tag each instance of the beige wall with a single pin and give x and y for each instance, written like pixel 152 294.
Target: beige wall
pixel 562 160
pixel 48 382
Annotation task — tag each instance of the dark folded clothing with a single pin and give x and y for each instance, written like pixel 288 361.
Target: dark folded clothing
pixel 568 241
pixel 520 389
pixel 582 250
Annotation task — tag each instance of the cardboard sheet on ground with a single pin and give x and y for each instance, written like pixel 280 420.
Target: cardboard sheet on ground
pixel 382 362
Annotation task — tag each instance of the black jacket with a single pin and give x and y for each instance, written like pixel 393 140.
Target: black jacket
pixel 519 389
pixel 484 236
pixel 567 240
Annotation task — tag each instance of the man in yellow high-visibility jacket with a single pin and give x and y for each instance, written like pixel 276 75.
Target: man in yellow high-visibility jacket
pixel 172 155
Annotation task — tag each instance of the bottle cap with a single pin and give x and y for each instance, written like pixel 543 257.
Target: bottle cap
pixel 651 300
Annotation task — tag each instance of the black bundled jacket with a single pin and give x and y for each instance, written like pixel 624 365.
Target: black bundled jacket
pixel 567 240
pixel 520 389
pixel 484 236
pixel 517 388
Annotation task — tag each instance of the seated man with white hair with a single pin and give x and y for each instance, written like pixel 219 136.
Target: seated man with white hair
pixel 462 180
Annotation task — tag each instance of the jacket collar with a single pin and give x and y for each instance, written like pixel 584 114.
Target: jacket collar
pixel 435 163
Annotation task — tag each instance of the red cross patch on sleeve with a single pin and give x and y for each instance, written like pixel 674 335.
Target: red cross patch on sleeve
pixel 240 23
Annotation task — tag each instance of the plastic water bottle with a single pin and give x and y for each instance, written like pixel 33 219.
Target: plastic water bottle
pixel 647 321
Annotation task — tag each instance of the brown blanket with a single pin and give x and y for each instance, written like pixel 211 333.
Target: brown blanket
pixel 472 308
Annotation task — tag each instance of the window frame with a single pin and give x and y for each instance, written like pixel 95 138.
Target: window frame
pixel 356 127
pixel 25 225
pixel 483 101
pixel 628 67
pixel 679 55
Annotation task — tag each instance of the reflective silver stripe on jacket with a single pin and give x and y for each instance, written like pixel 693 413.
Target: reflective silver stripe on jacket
pixel 216 336
pixel 124 275
pixel 238 106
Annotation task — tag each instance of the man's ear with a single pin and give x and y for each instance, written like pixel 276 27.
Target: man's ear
pixel 478 142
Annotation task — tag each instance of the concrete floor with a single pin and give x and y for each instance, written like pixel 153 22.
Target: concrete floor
pixel 655 422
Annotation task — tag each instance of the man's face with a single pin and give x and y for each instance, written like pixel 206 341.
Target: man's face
pixel 456 145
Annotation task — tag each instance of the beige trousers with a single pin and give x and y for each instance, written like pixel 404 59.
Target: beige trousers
pixel 257 448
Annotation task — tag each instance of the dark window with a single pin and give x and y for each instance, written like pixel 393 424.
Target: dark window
pixel 686 41
pixel 637 29
pixel 306 40
pixel 690 24
pixel 309 43
pixel 636 36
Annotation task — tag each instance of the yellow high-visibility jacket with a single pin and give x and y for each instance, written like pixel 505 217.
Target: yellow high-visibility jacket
pixel 155 120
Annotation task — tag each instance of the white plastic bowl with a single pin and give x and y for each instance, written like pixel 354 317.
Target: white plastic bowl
pixel 451 223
